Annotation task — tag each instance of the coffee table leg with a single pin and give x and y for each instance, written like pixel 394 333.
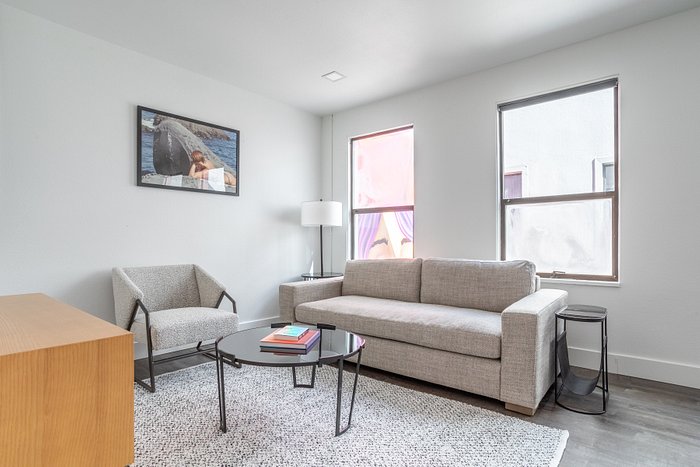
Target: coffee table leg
pixel 299 385
pixel 220 388
pixel 339 398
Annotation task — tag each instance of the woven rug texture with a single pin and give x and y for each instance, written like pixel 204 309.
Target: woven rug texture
pixel 271 423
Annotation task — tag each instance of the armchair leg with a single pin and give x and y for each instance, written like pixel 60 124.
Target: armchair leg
pixel 149 387
pixel 152 386
pixel 206 354
pixel 235 364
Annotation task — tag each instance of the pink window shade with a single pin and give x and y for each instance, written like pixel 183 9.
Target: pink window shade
pixel 383 170
pixel 384 235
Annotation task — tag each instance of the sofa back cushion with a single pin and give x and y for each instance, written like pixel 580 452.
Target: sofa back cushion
pixel 393 279
pixel 484 285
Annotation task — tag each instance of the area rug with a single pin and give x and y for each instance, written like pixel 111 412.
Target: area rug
pixel 273 424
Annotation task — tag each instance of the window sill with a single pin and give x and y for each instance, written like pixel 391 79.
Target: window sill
pixel 549 280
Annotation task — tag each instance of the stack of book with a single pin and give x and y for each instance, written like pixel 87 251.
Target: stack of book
pixel 290 339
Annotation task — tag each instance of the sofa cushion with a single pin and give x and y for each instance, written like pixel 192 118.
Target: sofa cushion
pixel 484 285
pixel 460 330
pixel 180 326
pixel 393 279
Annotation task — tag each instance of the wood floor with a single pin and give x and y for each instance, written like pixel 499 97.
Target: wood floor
pixel 647 423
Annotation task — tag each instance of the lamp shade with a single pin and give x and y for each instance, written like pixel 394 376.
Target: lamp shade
pixel 316 213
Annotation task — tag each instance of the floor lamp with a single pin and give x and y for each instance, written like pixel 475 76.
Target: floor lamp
pixel 321 213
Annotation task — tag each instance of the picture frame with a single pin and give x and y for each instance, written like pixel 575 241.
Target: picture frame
pixel 181 153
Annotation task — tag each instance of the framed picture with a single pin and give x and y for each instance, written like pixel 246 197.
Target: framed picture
pixel 180 153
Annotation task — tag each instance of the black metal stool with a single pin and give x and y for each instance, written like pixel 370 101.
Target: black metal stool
pixel 574 383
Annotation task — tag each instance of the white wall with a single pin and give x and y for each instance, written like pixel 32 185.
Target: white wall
pixel 70 208
pixel 654 317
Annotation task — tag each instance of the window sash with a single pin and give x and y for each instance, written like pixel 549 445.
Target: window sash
pixel 377 134
pixel 556 95
pixel 380 209
pixel 543 200
pixel 613 195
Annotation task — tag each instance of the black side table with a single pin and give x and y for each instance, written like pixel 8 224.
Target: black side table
pixel 310 276
pixel 574 383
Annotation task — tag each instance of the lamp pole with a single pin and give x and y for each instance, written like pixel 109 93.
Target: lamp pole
pixel 320 234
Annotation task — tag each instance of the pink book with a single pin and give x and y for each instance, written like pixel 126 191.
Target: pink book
pixel 306 339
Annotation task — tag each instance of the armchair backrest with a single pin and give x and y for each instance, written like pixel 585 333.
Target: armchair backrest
pixel 163 288
pixel 166 287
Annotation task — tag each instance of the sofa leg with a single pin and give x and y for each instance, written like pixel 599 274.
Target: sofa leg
pixel 521 409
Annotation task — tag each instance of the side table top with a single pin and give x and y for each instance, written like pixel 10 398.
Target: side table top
pixel 586 313
pixel 318 275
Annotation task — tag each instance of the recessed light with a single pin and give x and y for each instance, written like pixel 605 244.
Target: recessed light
pixel 333 76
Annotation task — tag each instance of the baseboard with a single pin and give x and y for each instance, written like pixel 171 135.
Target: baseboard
pixel 258 323
pixel 657 370
pixel 140 350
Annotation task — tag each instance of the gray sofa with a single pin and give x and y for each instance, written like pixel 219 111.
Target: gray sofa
pixel 480 326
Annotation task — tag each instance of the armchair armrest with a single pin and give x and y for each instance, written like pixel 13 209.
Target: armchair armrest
pixel 293 294
pixel 210 289
pixel 527 347
pixel 126 293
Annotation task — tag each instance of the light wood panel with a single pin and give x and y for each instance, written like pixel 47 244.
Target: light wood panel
pixel 66 399
pixel 36 321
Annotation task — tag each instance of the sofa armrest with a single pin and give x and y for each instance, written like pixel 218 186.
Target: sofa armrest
pixel 527 347
pixel 293 294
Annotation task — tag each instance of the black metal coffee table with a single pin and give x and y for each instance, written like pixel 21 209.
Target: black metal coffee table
pixel 334 346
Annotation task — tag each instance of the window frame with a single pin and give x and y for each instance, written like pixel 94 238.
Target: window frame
pixel 354 211
pixel 612 83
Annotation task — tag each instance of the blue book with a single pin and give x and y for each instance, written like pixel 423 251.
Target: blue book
pixel 290 333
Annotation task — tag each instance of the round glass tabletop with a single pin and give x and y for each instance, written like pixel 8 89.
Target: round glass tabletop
pixel 333 345
pixel 584 313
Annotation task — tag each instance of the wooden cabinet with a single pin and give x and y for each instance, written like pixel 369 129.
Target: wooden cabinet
pixel 66 386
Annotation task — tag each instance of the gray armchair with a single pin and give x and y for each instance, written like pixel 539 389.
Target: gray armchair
pixel 171 306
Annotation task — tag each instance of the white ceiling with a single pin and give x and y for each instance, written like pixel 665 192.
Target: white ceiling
pixel 280 48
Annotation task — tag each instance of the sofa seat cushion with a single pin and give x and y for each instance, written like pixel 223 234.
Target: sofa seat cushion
pixel 460 330
pixel 180 326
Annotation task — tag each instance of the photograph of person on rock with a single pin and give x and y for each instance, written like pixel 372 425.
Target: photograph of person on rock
pixel 181 153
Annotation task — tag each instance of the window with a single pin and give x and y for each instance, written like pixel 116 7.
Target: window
pixel 608 177
pixel 562 212
pixel 513 185
pixel 382 194
pixel 603 174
